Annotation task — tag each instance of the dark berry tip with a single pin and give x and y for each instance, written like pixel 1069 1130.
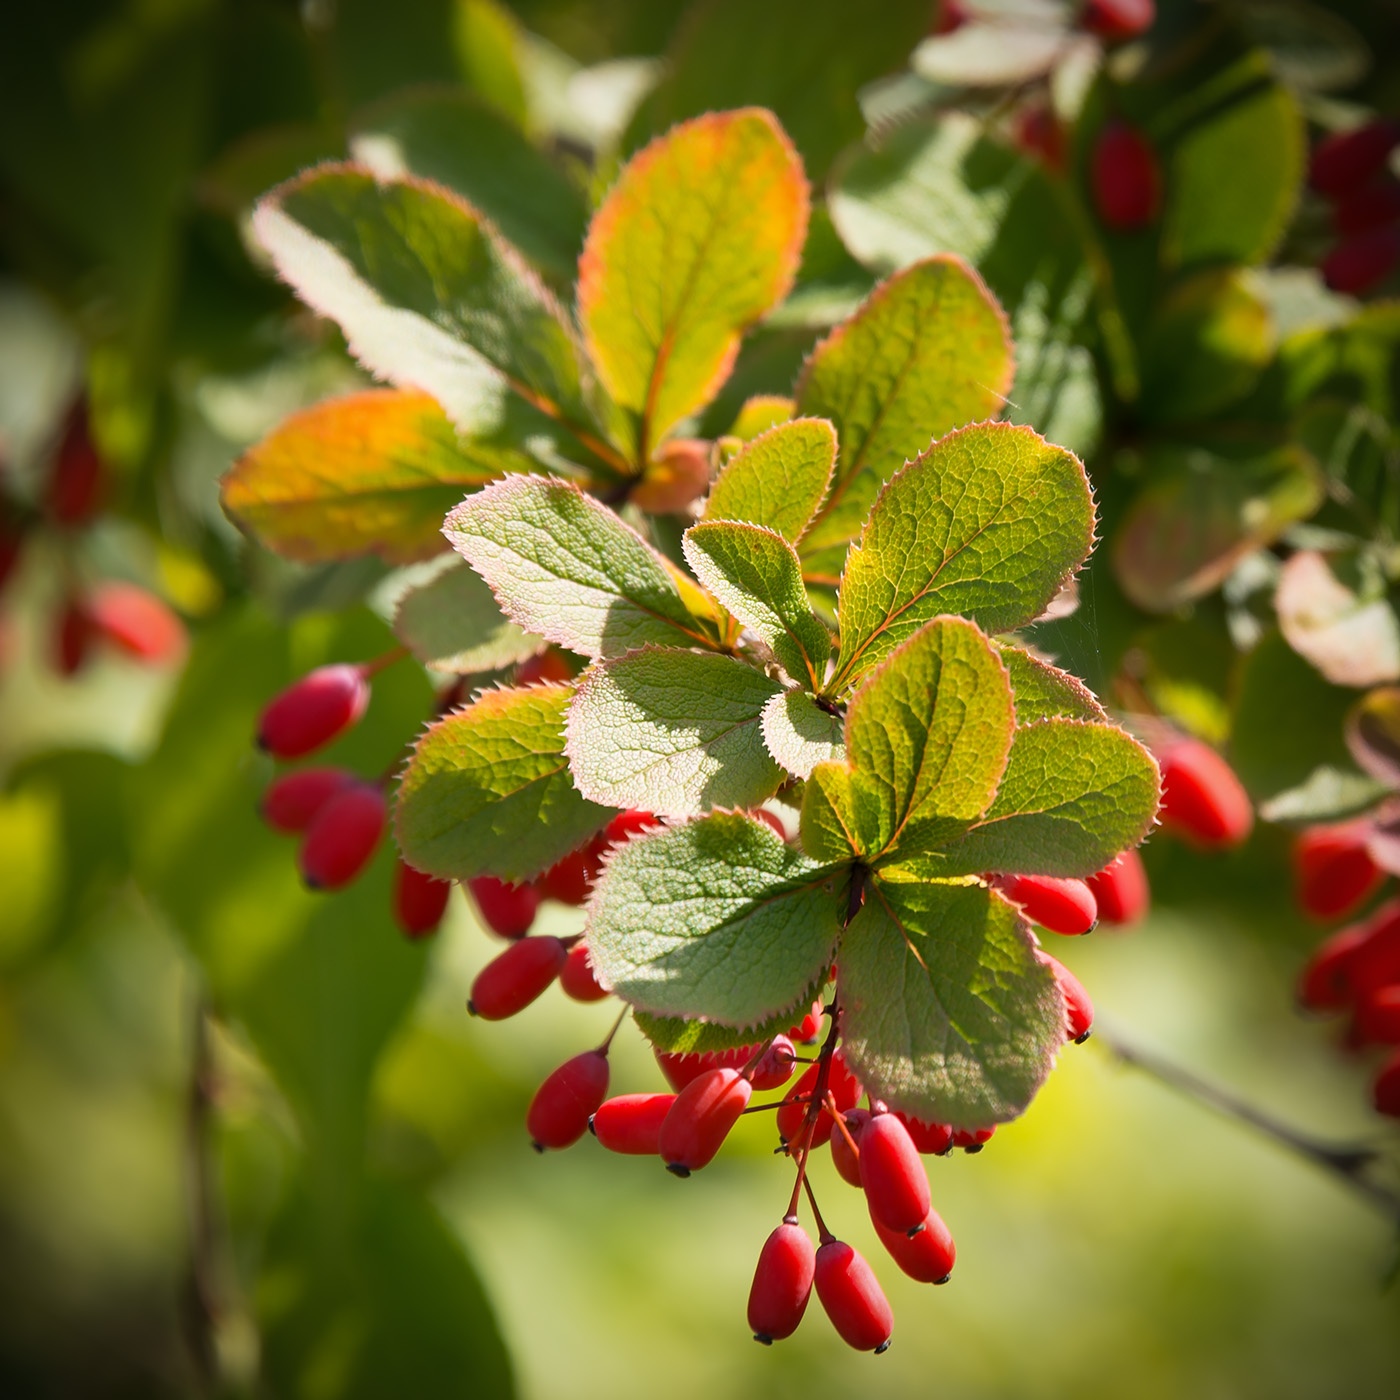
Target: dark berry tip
pixel 471 1008
pixel 974 1147
pixel 538 1146
pixel 676 1169
pixel 883 1347
pixel 938 1282
pixel 591 1128
pixel 762 1339
pixel 947 1151
pixel 312 884
pixel 1080 1039
pixel 917 1230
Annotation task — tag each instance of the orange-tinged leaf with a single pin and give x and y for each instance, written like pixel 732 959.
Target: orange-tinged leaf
pixel 701 236
pixel 372 473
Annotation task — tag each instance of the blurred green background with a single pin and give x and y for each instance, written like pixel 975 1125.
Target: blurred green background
pixel 250 1142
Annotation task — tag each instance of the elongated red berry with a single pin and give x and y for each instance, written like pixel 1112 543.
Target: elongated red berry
pixel 1346 160
pixel 513 979
pixel 1038 132
pixel 559 1113
pixel 775 1065
pixel 1324 984
pixel 782 1283
pixel 323 704
pixel 73 638
pixel 1126 178
pixel 74 488
pixel 137 622
pixel 896 1185
pixel 570 881
pixel 931 1139
pixel 926 1256
pixel 292 801
pixel 842 1085
pixel 1385 1091
pixel 1079 1009
pixel 852 1297
pixel 628 824
pixel 972 1139
pixel 1362 260
pixel 806 1029
pixel 1121 891
pixel 1202 799
pixel 1117 20
pixel 681 1069
pixel 844 1157
pixel 1062 906
pixel 1333 869
pixel 577 977
pixel 342 837
pixel 700 1119
pixel 1372 206
pixel 549 665
pixel 420 900
pixel 1375 961
pixel 508 910
pixel 1378 1015
pixel 12 531
pixel 631 1123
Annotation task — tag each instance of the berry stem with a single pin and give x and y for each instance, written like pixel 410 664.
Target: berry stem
pixel 841 1123
pixel 823 1234
pixel 376 664
pixel 617 1026
pixel 814 1106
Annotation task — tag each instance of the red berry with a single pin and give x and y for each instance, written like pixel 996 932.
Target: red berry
pixel 1079 1009
pixel 682 1068
pixel 782 1283
pixel 1333 869
pixel 926 1256
pixel 845 1158
pixel 1378 1016
pixel 342 837
pixel 1385 1092
pixel 313 711
pixel 1202 799
pixel 632 1123
pixel 1371 206
pixel 775 1065
pixel 571 880
pixel 11 540
pixel 576 977
pixel 842 1085
pixel 851 1295
pixel 1375 961
pixel 1348 159
pixel 770 820
pixel 1324 984
pixel 508 910
pixel 895 1183
pixel 806 1029
pixel 952 14
pixel 75 482
pixel 292 801
pixel 1362 260
pixel 626 825
pixel 1121 890
pixel 549 665
pixel 700 1119
pixel 513 979
pixel 1037 132
pixel 73 638
pixel 1117 20
pixel 138 622
pixel 972 1139
pixel 1126 178
pixel 931 1139
pixel 420 900
pixel 563 1104
pixel 1062 906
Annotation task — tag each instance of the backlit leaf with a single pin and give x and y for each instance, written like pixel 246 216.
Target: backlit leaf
pixel 800 734
pixel 1350 641
pixel 778 479
pixel 1043 691
pixel 452 623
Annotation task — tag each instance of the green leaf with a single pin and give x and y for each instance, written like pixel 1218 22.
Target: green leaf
pixel 452 623
pixel 682 1037
pixel 674 732
pixel 429 297
pixel 488 791
pixel 716 919
pixel 1074 796
pixel 946 1013
pixel 927 738
pixel 756 575
pixel 1352 640
pixel 461 142
pixel 778 479
pixel 758 414
pixel 1204 508
pixel 1043 691
pixel 1234 181
pixel 927 351
pixel 806 60
pixel 989 523
pixel 800 734
pixel 566 567
pixel 373 473
pixel 699 238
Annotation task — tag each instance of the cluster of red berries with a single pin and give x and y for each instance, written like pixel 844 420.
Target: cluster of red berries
pixel 1356 969
pixel 1351 170
pixel 339 815
pixel 124 616
pixel 1113 21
